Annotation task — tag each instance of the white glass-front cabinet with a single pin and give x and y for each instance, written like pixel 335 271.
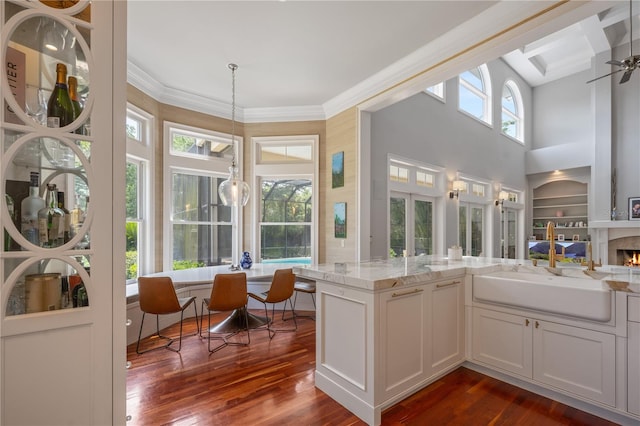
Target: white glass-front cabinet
pixel 62 346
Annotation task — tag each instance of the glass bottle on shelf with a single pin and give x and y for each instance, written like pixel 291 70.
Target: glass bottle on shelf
pixel 67 217
pixel 51 221
pixel 12 211
pixel 59 109
pixel 76 218
pixel 75 102
pixel 29 209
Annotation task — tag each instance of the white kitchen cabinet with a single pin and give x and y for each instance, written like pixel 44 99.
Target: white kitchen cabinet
pixel 422 333
pixel 573 359
pixel 633 360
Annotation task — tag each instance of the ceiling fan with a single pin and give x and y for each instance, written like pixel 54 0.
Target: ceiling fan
pixel 629 64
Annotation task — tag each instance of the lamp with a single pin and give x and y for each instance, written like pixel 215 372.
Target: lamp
pixel 234 191
pixel 457 186
pixel 502 195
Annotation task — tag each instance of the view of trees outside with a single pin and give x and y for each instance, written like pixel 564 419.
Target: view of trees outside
pixel 286 217
pixel 398 236
pixel 423 227
pixel 476 223
pixel 131 206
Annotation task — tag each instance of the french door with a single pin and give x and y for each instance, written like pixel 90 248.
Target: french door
pixel 509 233
pixel 471 227
pixel 410 225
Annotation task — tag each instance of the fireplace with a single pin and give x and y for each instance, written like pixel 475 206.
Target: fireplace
pixel 625 251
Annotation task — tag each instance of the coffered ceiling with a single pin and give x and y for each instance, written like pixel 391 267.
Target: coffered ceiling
pixel 306 55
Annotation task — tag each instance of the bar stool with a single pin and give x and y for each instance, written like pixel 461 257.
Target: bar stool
pixel 308 287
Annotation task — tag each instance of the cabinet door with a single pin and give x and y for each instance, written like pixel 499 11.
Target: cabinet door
pixel 574 359
pixel 502 341
pixel 446 323
pixel 633 365
pixel 403 337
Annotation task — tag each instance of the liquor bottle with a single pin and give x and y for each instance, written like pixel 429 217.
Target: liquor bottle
pixel 75 102
pixel 59 109
pixel 67 217
pixel 51 221
pixel 29 208
pixel 12 212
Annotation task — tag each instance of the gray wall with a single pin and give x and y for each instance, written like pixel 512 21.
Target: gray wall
pixel 427 130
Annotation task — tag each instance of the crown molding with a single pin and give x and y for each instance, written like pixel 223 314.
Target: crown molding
pixel 281 114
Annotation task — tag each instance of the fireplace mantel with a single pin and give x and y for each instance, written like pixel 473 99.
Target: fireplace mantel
pixel 633 224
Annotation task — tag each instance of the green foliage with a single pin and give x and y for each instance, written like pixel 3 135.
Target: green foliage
pixel 131 190
pixel 132 235
pixel 182 143
pixel 131 262
pixel 186 264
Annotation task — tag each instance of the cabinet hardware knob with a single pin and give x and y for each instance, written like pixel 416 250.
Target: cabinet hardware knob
pixel 537 324
pixel 526 323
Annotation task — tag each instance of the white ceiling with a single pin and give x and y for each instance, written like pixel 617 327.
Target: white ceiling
pixel 304 54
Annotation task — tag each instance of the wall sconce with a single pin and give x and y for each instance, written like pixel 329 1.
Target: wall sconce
pixel 457 186
pixel 503 195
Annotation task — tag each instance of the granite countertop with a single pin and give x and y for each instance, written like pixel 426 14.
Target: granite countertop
pixel 398 272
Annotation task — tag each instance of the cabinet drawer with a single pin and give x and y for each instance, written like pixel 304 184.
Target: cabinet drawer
pixel 634 308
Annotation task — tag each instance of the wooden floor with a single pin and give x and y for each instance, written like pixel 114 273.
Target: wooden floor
pixel 271 382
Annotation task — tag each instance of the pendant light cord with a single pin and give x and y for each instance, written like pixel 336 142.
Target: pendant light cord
pixel 233 68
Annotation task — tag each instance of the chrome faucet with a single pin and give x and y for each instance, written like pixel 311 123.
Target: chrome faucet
pixel 551 236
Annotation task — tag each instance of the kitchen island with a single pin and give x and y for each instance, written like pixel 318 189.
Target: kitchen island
pixel 386 329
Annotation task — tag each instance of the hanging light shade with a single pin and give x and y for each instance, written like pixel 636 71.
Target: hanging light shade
pixel 233 191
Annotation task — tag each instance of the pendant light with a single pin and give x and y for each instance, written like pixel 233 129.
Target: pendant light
pixel 233 191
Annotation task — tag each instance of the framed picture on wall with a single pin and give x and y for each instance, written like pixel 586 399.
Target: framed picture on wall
pixel 340 220
pixel 337 170
pixel 560 237
pixel 576 237
pixel 634 208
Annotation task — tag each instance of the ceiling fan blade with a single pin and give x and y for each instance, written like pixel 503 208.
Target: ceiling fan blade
pixel 603 76
pixel 614 62
pixel 626 76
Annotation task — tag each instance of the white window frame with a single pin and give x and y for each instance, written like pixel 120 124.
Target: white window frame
pixel 518 117
pixel 214 167
pixel 141 153
pixel 469 199
pixel 518 207
pixel 412 188
pixel 287 170
pixel 485 95
pixel 410 208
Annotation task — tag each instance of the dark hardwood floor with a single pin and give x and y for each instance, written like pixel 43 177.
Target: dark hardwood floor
pixel 271 382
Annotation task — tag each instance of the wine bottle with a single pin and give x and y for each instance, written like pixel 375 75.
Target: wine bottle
pixel 67 217
pixel 51 221
pixel 60 109
pixel 11 208
pixel 29 209
pixel 75 102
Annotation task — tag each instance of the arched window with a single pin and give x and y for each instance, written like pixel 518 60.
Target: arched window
pixel 512 111
pixel 475 93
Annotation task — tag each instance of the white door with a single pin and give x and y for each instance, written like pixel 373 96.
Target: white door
pixel 411 219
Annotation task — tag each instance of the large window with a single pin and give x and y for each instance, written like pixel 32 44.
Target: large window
pixel 512 111
pixel 475 93
pixel 198 228
pixel 138 193
pixel 285 171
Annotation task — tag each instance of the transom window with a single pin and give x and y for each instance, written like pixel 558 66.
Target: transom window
pixel 512 111
pixel 475 93
pixel 190 143
pixel 436 90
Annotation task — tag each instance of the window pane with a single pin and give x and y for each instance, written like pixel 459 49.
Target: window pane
pixel 134 129
pixel 195 199
pixel 477 220
pixel 192 145
pixel 131 191
pixel 423 227
pixel 397 217
pixel 285 241
pixel 132 252
pixel 508 101
pixel 195 246
pixel 474 77
pixel 437 90
pixel 462 229
pixel 286 200
pixel 425 179
pixel 287 153
pixel 471 103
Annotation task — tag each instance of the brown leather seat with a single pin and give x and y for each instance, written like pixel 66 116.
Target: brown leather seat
pixel 281 290
pixel 229 293
pixel 157 296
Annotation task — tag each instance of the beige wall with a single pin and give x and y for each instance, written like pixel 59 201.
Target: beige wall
pixel 341 136
pixel 163 112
